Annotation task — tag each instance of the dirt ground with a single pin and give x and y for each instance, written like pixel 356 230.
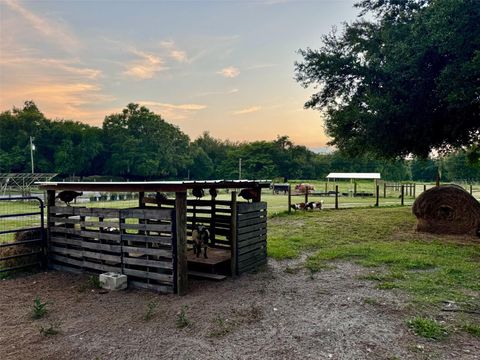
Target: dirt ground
pixel 274 314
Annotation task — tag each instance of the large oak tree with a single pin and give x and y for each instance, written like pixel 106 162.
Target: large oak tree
pixel 402 79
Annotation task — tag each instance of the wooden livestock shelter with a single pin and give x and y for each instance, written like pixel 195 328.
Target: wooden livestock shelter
pixel 149 242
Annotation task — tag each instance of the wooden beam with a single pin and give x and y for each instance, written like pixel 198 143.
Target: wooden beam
pixel 233 236
pixel 289 198
pixel 181 234
pixel 50 203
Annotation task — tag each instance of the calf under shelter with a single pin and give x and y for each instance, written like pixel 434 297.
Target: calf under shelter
pixel 151 241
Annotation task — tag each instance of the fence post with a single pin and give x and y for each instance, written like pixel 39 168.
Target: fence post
pixel 384 189
pixel 336 196
pixel 306 194
pixel 414 190
pixel 289 198
pixel 354 188
pixel 233 229
pixel 424 187
pixel 471 189
pixel 402 189
pixel 377 195
pixel 50 203
pixel 181 232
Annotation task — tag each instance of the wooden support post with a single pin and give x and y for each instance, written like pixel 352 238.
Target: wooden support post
pixel 424 187
pixel 306 194
pixel 233 229
pixel 377 194
pixel 384 189
pixel 50 203
pixel 336 196
pixel 181 235
pixel 289 198
pixel 471 189
pixel 141 196
pixel 326 187
pixel 402 195
pixel 212 222
pixel 414 190
pixel 354 188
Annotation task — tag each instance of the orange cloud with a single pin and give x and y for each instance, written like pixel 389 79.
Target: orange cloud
pixel 248 110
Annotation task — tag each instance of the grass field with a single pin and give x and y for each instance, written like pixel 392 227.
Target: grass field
pixel 430 269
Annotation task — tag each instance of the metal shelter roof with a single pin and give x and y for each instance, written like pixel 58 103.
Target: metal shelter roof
pixel 142 186
pixel 353 176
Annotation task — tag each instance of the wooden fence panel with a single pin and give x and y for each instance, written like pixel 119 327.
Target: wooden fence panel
pixel 251 236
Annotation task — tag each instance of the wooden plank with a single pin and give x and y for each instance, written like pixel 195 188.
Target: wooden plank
pixel 160 288
pixel 150 213
pixel 87 244
pixel 149 275
pixel 98 212
pixel 255 266
pixel 151 263
pixel 101 267
pixel 161 240
pixel 252 247
pixel 64 210
pixel 181 238
pixel 66 269
pixel 67 260
pixel 252 234
pixel 207 276
pixel 147 251
pixel 233 235
pixel 252 228
pixel 85 253
pixel 88 223
pixel 243 208
pixel 253 215
pixel 251 258
pixel 83 233
pixel 147 227
pixel 84 264
pixel 258 220
pixel 253 240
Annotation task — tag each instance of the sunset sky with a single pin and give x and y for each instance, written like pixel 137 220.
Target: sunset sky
pixel 222 66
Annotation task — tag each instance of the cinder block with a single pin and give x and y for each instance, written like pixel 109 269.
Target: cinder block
pixel 113 281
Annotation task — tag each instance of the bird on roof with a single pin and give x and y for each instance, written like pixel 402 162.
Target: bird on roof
pixel 68 196
pixel 249 194
pixel 198 192
pixel 213 192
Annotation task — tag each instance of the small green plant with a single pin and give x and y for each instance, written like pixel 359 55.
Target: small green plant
pixel 221 327
pixel 150 313
pixel 52 329
pixel 94 282
pixel 473 329
pixel 182 319
pixel 39 308
pixel 427 328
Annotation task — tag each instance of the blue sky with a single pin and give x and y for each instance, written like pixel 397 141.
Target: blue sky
pixel 219 66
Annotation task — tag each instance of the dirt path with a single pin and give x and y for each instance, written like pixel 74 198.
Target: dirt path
pixel 275 314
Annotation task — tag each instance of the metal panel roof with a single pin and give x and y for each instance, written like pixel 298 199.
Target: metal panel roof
pixel 353 176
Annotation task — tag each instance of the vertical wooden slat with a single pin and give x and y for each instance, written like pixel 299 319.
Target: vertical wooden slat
pixel 233 229
pixel 377 195
pixel 181 232
pixel 402 195
pixel 50 202
pixel 306 194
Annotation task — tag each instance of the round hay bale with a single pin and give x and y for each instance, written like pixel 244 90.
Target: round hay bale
pixel 447 209
pixel 20 249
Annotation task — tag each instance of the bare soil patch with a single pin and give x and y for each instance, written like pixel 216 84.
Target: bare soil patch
pixel 283 312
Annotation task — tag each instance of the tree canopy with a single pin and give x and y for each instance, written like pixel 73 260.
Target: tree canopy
pixel 403 79
pixel 138 144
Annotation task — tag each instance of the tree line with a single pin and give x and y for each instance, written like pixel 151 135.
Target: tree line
pixel 138 144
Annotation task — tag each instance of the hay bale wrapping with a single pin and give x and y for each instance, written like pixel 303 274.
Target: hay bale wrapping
pixel 447 209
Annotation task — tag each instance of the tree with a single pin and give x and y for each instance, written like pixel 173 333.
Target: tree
pixel 139 143
pixel 405 82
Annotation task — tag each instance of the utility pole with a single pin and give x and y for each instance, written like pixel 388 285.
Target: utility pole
pixel 32 148
pixel 240 169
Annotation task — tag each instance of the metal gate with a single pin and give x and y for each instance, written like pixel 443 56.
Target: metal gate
pixel 22 234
